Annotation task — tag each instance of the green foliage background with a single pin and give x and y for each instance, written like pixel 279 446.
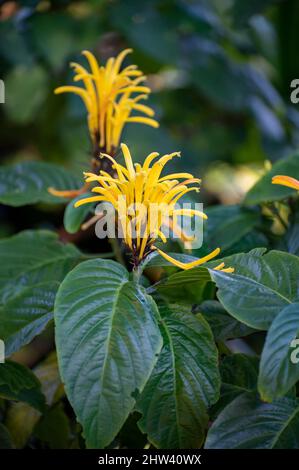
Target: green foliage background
pixel 220 71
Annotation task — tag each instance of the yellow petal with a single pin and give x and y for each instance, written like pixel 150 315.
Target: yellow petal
pixel 128 160
pixel 144 120
pixel 190 213
pixel 89 199
pixel 192 264
pixel 286 181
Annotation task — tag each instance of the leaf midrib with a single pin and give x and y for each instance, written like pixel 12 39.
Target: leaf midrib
pixel 107 343
pixel 173 374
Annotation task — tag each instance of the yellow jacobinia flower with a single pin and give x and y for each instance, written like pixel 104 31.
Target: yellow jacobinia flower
pixel 144 201
pixel 286 181
pixel 110 96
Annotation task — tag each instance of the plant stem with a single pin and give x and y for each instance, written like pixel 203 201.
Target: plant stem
pixel 276 213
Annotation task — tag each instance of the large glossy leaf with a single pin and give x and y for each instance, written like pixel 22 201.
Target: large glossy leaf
pixel 184 383
pixel 17 382
pixel 108 341
pixel 28 183
pixel 33 265
pixel 248 423
pixel 265 191
pixel 260 287
pixel 277 371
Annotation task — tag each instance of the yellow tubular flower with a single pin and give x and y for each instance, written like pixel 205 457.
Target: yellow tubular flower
pixel 145 202
pixel 110 96
pixel 286 181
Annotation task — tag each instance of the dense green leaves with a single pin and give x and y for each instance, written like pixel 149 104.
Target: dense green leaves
pixel 239 374
pixel 28 183
pixel 184 383
pixel 279 371
pixel 223 325
pixel 33 265
pixel 21 83
pixel 227 225
pixel 260 287
pixel 247 423
pixel 53 428
pixel 265 191
pixel 21 417
pixel 186 286
pixel 17 382
pixel 108 342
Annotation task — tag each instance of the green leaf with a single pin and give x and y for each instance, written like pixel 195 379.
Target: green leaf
pixel 155 33
pixel 20 84
pixel 26 315
pixel 248 423
pixel 223 325
pixel 20 421
pixel 75 216
pixel 108 341
pixel 33 265
pixel 187 286
pixel 54 36
pixel 260 287
pixel 290 241
pixel 48 374
pixel 21 417
pixel 28 182
pixel 5 439
pixel 239 374
pixel 184 383
pixel 17 382
pixel 277 372
pixel 265 191
pixel 226 225
pixel 243 10
pixel 53 428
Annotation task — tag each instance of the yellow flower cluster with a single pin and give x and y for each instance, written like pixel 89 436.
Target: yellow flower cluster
pixel 112 96
pixel 145 201
pixel 108 97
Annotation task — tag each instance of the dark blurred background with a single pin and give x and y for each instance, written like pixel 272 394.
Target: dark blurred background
pixel 220 71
